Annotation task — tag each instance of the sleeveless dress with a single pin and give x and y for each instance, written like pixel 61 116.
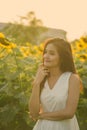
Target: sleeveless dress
pixel 53 100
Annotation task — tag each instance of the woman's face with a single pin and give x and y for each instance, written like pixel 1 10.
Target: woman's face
pixel 51 57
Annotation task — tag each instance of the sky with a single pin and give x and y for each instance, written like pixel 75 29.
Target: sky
pixel 69 15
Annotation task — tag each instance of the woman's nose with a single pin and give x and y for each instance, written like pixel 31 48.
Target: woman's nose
pixel 46 55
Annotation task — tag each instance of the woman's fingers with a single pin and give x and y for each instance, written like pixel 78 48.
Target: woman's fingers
pixel 41 73
pixel 46 72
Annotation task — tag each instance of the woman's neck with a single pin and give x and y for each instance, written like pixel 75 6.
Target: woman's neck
pixel 54 72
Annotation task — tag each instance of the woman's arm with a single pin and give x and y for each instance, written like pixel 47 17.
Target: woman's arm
pixel 34 102
pixel 71 105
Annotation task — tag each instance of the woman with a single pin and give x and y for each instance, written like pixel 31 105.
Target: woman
pixel 56 89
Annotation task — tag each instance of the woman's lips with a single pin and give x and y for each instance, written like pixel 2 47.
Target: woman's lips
pixel 46 61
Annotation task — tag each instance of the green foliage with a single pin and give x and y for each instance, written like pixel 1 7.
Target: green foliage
pixel 15 89
pixel 31 19
pixel 80 56
pixel 29 33
pixel 21 34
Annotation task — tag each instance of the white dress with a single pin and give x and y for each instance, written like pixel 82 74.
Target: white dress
pixel 53 100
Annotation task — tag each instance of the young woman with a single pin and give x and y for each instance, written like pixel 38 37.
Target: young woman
pixel 56 89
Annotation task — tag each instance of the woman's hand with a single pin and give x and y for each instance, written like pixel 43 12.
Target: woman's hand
pixel 42 116
pixel 45 116
pixel 42 72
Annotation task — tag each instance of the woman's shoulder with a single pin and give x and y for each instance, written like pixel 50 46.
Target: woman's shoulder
pixel 74 78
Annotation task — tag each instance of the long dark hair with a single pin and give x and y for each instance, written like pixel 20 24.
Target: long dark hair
pixel 65 54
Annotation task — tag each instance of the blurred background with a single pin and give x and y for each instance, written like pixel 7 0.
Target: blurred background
pixel 24 26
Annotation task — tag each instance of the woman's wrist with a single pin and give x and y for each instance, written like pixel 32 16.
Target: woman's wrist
pixel 36 82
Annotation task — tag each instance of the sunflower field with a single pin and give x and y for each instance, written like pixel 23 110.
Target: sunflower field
pixel 18 65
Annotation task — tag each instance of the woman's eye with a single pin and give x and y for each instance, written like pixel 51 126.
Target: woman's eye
pixel 52 53
pixel 48 52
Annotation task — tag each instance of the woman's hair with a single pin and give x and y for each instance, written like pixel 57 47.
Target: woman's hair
pixel 65 54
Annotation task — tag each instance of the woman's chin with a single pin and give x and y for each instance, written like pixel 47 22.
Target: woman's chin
pixel 47 65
